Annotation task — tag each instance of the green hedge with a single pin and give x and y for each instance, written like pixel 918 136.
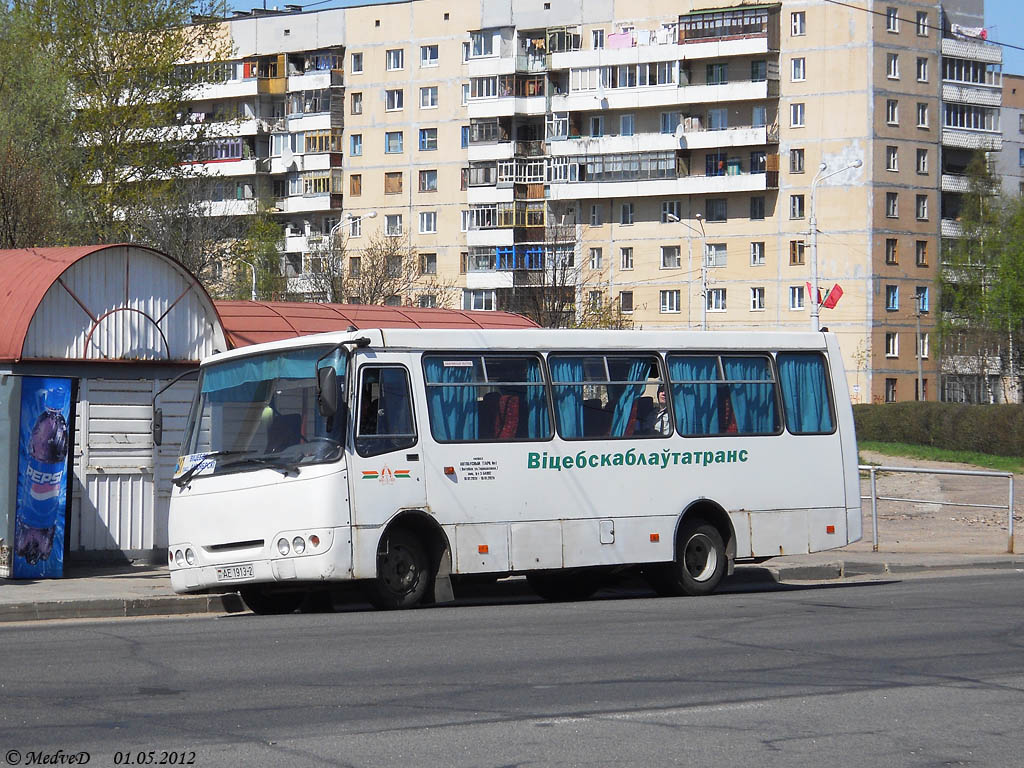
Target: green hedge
pixel 994 429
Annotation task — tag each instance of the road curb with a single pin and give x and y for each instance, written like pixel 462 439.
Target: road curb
pixel 108 608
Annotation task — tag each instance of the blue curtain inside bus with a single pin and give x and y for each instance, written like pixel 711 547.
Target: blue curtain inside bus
pixel 452 410
pixel 638 371
pixel 537 403
pixel 696 404
pixel 805 392
pixel 568 398
pixel 752 393
pixel 299 364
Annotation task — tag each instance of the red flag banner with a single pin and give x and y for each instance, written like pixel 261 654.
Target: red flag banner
pixel 833 297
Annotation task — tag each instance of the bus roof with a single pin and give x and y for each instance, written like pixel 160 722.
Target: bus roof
pixel 541 339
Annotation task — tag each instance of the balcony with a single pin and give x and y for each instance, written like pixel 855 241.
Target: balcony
pixel 955 182
pixel 951 228
pixel 662 95
pixel 680 186
pixel 980 95
pixel 962 138
pixel 973 50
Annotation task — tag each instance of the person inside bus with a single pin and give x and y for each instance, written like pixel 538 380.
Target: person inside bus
pixel 657 421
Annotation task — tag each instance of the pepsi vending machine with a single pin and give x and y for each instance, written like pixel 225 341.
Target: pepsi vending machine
pixel 44 441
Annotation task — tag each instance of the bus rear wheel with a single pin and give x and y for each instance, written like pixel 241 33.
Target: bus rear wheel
pixel 266 602
pixel 403 573
pixel 699 565
pixel 562 586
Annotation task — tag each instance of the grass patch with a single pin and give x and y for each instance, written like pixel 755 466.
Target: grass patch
pixel 985 460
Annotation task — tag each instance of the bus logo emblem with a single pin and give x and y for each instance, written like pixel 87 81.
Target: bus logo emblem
pixel 387 476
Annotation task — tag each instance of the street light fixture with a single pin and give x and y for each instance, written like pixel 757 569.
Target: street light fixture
pixel 918 346
pixel 815 307
pixel 350 220
pixel 703 264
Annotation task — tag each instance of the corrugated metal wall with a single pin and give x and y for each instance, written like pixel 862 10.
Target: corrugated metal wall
pixel 120 304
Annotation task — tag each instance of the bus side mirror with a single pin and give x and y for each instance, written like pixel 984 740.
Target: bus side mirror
pixel 327 394
pixel 158 426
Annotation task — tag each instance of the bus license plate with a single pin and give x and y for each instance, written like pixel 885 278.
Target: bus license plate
pixel 235 572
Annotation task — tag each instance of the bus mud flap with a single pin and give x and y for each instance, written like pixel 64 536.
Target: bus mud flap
pixel 443 592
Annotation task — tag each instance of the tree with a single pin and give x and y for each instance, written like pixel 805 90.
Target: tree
pixel 129 94
pixel 386 270
pixel 257 250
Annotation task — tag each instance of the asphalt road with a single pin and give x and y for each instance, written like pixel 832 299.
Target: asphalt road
pixel 923 672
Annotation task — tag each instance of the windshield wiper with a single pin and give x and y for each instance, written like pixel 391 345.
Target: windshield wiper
pixel 282 465
pixel 182 480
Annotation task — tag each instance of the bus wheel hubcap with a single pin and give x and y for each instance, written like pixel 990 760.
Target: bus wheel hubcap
pixel 700 558
pixel 399 571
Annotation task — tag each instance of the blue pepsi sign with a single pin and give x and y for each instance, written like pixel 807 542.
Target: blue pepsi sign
pixel 42 478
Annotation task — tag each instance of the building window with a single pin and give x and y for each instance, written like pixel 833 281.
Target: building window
pixel 796 206
pixel 393 224
pixel 1020 157
pixel 892 20
pixel 392 182
pixel 465 136
pixel 718 73
pixel 669 301
pixel 426 301
pixel 481 44
pixel 922 114
pixel 595 215
pixel 796 115
pixel 796 297
pixel 922 69
pixel 796 161
pixel 671 211
pixel 626 215
pixel 428 263
pixel 892 159
pixel 757 161
pixel 759 116
pixel 892 345
pixel 757 207
pixel 922 298
pixel 627 124
pixel 392 142
pixel 758 71
pixel 597 39
pixel 922 24
pixel 596 258
pixel 357 104
pixel 922 347
pixel 892 66
pixel 921 207
pixel 715 209
pixel 428 180
pixel 757 254
pixel 891 255
pixel 394 59
pixel 922 161
pixel 428 139
pixel 892 111
pixel 478 299
pixel 597 126
pixel 355 184
pixel 892 209
pixel 428 222
pixel 798 23
pixel 799 69
pixel 757 299
pixel 892 298
pixel 670 121
pixel 428 97
pixel 626 258
pixel 716 300
pixel 355 268
pixel 626 301
pixel 670 257
pixel 921 253
pixel 355 144
pixel 394 99
pixel 717 255
pixel 428 55
pixel 357 63
pixel 890 390
pixel 796 253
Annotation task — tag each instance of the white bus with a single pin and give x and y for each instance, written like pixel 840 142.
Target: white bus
pixel 403 458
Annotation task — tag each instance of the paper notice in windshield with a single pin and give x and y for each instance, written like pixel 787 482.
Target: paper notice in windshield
pixel 478 468
pixel 185 463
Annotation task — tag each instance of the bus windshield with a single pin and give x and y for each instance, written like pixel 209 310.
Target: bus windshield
pixel 262 410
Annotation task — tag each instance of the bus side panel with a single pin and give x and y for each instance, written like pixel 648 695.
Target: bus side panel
pixel 623 540
pixel 482 548
pixel 847 434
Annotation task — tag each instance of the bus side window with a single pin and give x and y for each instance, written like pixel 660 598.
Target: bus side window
pixel 805 392
pixel 385 411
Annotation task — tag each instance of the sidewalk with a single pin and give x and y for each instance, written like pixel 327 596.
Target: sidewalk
pixel 92 592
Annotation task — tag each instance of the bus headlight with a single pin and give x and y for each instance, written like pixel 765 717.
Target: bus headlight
pixel 298 545
pixel 282 546
pixel 179 559
pixel 190 556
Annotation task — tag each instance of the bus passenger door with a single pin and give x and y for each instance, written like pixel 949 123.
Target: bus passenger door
pixel 386 462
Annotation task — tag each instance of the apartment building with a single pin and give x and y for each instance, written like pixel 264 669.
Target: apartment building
pixel 1010 164
pixel 665 159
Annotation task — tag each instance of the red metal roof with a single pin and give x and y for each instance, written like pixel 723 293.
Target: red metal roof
pixel 28 274
pixel 254 322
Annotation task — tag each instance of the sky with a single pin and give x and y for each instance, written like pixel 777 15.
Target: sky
pixel 1002 19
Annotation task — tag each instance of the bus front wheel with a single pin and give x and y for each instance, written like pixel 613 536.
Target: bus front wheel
pixel 265 602
pixel 699 565
pixel 403 573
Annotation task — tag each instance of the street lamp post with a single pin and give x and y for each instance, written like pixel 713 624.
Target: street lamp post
pixel 918 346
pixel 253 268
pixel 703 264
pixel 815 306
